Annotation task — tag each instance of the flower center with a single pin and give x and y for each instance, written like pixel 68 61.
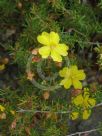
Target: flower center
pixel 52 47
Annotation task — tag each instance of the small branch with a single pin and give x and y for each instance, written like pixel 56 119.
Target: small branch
pixel 91 43
pixel 36 111
pixel 100 104
pixel 84 42
pixel 62 112
pixel 56 112
pixel 84 132
pixel 78 32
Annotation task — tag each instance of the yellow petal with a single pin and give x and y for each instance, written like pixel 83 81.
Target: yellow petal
pixel 74 68
pixel 55 56
pixel 80 75
pixel 92 102
pixel 2 108
pixel 44 38
pixel 62 49
pixel 77 84
pixel 74 115
pixel 2 67
pixel 12 112
pixel 86 114
pixel 44 51
pixel 85 102
pixel 63 72
pixel 54 38
pixel 78 100
pixel 66 82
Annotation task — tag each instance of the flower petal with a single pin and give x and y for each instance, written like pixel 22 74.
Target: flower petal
pixel 92 102
pixel 74 68
pixel 74 115
pixel 77 84
pixel 80 75
pixel 62 49
pixel 55 56
pixel 54 38
pixel 44 38
pixel 86 114
pixel 2 108
pixel 63 72
pixel 66 82
pixel 2 67
pixel 78 100
pixel 44 51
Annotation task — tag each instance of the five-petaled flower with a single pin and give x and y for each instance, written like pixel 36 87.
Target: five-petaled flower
pixel 51 46
pixel 85 102
pixel 72 76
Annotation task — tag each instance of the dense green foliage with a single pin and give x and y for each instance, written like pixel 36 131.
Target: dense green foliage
pixel 21 21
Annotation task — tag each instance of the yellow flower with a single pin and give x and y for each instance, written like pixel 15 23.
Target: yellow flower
pixel 72 76
pixel 2 108
pixel 85 102
pixel 51 46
